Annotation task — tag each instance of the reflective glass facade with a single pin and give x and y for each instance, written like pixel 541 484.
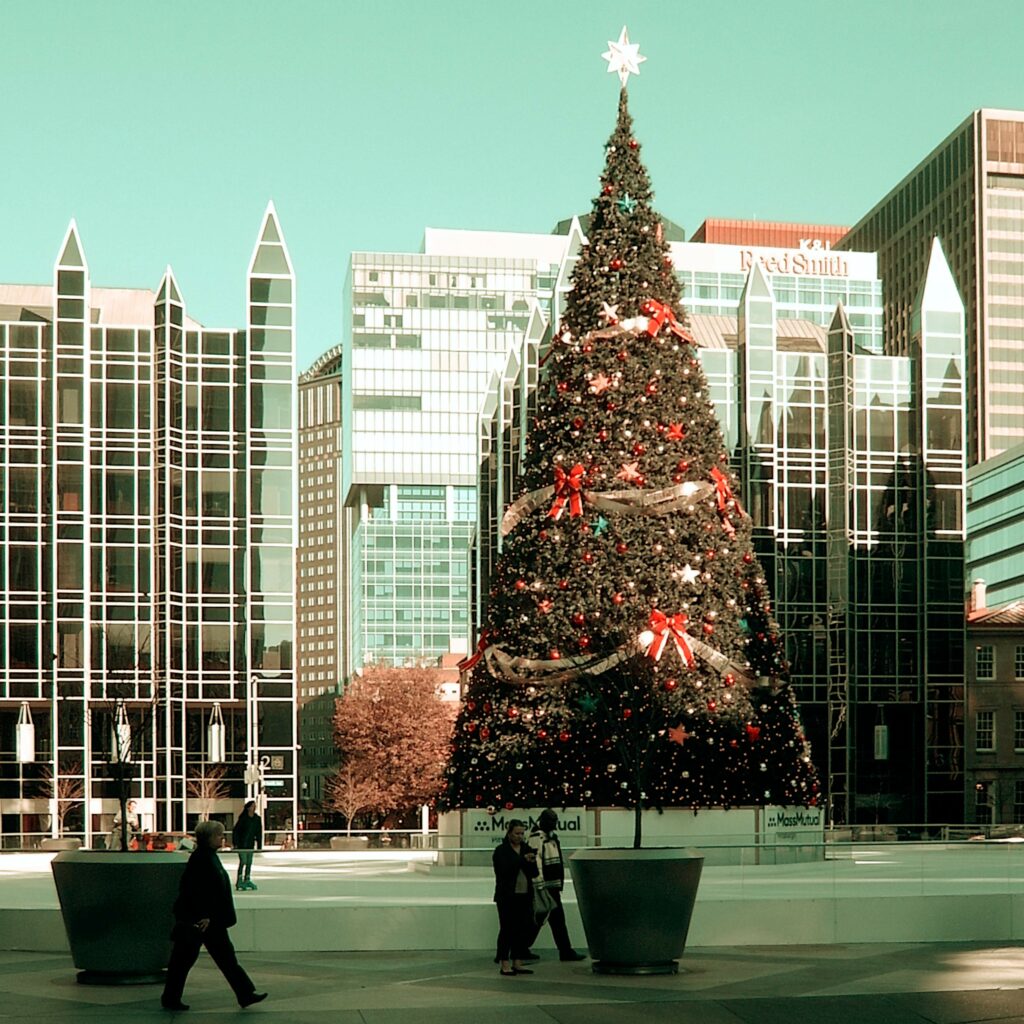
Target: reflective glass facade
pixel 853 472
pixel 995 526
pixel 149 540
pixel 427 333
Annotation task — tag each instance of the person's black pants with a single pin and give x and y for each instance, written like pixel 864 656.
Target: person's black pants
pixel 515 917
pixel 186 951
pixel 244 865
pixel 557 921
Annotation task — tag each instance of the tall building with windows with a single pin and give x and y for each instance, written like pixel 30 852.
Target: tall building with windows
pixel 994 723
pixel 853 471
pixel 427 332
pixel 969 191
pixel 995 526
pixel 146 464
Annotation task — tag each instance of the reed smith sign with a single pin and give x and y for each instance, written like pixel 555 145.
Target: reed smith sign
pixel 812 259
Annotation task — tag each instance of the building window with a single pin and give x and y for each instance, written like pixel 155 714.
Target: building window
pixel 1018 802
pixel 1018 730
pixel 985 661
pixel 1018 662
pixel 982 803
pixel 985 731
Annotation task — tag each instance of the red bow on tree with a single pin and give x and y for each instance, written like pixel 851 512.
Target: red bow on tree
pixel 660 314
pixel 665 627
pixel 567 489
pixel 470 662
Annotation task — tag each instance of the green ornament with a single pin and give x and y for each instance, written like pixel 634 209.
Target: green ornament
pixel 744 625
pixel 600 526
pixel 627 204
pixel 587 704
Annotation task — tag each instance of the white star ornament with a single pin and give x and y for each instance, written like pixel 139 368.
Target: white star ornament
pixel 623 56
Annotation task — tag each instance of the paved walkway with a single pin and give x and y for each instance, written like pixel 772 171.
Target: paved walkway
pixel 942 983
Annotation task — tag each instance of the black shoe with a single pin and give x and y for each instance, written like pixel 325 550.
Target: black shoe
pixel 253 997
pixel 174 1006
pixel 571 954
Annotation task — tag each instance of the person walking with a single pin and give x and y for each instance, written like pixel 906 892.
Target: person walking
pixel 203 913
pixel 515 865
pixel 246 838
pixel 544 842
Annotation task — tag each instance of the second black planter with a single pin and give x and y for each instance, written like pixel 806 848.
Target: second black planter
pixel 636 906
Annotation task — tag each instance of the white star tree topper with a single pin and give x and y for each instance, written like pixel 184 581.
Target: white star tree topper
pixel 623 56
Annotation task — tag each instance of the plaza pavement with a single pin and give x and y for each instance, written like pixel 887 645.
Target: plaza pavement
pixel 971 897
pixel 940 983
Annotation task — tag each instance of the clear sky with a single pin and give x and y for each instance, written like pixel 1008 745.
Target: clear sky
pixel 164 128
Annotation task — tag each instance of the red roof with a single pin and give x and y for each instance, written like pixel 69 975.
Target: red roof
pixel 1011 614
pixel 765 232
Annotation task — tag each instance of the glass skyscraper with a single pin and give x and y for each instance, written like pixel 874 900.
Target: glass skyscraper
pixel 853 472
pixel 427 333
pixel 146 465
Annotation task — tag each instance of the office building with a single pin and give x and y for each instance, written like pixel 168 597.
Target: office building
pixel 969 191
pixel 427 332
pixel 994 739
pixel 853 471
pixel 863 650
pixel 147 588
pixel 995 526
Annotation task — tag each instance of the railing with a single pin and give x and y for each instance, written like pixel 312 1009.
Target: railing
pixel 417 839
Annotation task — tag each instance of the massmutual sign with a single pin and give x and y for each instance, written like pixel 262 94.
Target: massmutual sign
pixel 480 829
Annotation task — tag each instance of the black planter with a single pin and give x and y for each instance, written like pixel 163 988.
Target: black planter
pixel 117 911
pixel 636 906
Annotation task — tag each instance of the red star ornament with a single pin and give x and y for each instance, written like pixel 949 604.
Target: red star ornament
pixel 678 734
pixel 599 384
pixel 675 432
pixel 629 472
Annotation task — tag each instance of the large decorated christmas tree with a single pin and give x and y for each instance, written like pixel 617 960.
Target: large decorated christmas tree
pixel 629 656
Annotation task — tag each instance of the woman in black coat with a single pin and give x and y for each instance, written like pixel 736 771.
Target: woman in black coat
pixel 203 913
pixel 515 865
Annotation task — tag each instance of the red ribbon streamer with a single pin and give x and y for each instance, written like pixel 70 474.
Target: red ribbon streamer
pixel 722 489
pixel 567 489
pixel 725 495
pixel 665 627
pixel 469 663
pixel 660 314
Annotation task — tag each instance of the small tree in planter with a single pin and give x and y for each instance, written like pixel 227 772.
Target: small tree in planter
pixel 206 786
pixel 352 791
pixel 629 656
pixel 117 906
pixel 65 790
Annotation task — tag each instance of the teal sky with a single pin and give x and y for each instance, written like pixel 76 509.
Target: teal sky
pixel 165 128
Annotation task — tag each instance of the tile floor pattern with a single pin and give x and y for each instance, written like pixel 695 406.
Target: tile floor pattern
pixel 941 983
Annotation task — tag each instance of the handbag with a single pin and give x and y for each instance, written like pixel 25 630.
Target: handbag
pixel 543 903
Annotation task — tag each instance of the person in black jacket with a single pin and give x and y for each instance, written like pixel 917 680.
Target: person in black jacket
pixel 544 842
pixel 203 913
pixel 246 838
pixel 515 865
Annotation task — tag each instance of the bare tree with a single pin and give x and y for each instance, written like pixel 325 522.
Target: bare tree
pixel 66 790
pixel 206 786
pixel 352 791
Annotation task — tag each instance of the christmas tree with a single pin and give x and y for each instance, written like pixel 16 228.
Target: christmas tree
pixel 629 656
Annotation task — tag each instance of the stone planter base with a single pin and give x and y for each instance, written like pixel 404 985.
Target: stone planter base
pixel 636 906
pixel 117 911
